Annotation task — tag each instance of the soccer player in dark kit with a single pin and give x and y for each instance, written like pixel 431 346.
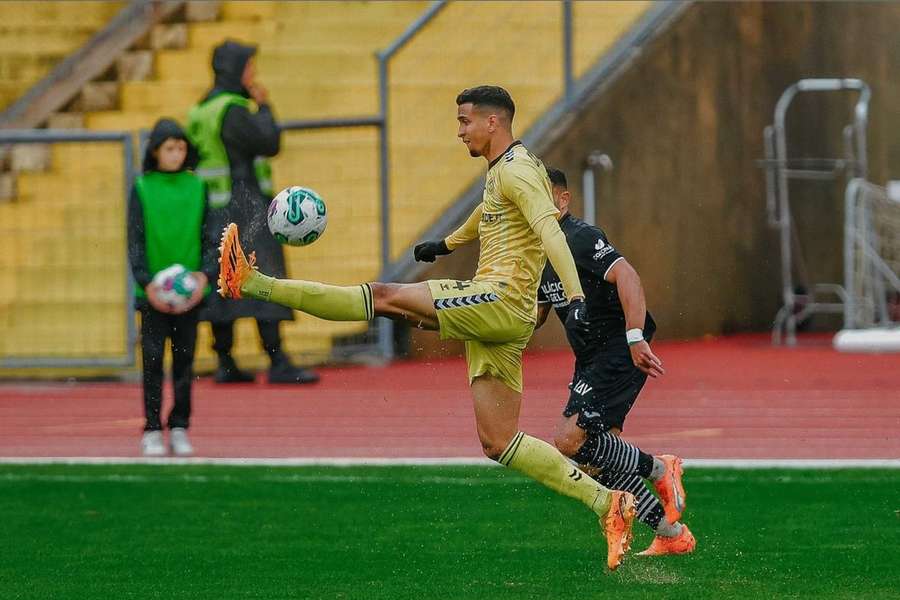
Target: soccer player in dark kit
pixel 612 362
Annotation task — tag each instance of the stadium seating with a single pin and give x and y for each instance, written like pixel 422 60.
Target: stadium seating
pixel 317 59
pixel 64 257
pixel 35 36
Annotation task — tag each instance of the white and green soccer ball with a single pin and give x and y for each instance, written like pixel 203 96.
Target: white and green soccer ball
pixel 297 216
pixel 176 286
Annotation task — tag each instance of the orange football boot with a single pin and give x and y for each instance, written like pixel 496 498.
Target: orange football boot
pixel 234 268
pixel 617 527
pixel 669 487
pixel 684 543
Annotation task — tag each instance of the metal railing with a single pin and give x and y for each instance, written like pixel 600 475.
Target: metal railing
pixel 48 136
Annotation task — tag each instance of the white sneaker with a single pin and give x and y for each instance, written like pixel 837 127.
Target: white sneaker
pixel 179 442
pixel 152 444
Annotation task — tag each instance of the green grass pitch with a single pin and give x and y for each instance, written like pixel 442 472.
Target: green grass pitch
pixel 176 532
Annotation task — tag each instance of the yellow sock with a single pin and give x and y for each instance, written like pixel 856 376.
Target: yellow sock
pixel 544 463
pixel 329 302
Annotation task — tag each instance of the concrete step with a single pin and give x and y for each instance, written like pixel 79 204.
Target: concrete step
pixel 117 120
pixel 58 189
pixel 304 34
pixel 275 64
pixel 300 98
pixel 320 11
pixel 26 65
pixel 42 39
pixel 78 13
pixel 65 327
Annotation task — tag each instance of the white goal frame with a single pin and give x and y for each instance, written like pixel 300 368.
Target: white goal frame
pixel 871 270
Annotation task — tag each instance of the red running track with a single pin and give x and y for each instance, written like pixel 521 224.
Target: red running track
pixel 726 398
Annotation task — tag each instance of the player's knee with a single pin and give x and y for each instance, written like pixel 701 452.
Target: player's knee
pixel 492 451
pixel 567 443
pixel 384 296
pixel 494 446
pixel 569 437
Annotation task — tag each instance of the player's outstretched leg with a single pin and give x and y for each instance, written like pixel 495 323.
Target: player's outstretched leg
pixel 238 278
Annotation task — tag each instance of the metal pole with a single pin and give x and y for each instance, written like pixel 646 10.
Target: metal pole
pixel 784 216
pixel 568 77
pixel 386 326
pixel 588 183
pixel 590 200
pixel 311 124
pixel 131 332
pixel 849 243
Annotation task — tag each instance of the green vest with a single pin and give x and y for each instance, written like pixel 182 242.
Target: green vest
pixel 205 130
pixel 173 205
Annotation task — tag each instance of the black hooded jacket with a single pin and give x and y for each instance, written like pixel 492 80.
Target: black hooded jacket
pixel 137 251
pixel 246 135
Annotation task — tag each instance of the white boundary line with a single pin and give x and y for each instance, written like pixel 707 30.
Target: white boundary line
pixel 697 463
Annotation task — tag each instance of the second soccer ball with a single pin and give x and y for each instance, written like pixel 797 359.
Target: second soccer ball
pixel 297 216
pixel 175 285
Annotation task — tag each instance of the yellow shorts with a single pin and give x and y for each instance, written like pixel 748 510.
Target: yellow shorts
pixel 495 336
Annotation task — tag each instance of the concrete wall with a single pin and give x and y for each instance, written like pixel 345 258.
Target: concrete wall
pixel 685 202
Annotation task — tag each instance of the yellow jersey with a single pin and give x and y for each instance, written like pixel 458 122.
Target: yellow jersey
pixel 517 195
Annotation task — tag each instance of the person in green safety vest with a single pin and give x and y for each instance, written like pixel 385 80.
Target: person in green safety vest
pixel 167 215
pixel 235 130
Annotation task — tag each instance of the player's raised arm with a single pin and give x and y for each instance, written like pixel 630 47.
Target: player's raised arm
pixel 468 231
pixel 634 305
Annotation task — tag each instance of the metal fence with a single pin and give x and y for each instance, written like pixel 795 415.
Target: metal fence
pixel 60 306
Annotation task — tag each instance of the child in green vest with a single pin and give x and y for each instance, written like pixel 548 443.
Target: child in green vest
pixel 166 226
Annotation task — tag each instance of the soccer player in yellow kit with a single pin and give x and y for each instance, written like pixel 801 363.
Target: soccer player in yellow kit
pixel 494 313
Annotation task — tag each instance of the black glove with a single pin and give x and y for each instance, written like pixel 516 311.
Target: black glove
pixel 427 251
pixel 577 319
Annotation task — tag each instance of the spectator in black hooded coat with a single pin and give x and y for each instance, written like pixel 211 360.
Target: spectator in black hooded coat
pixel 246 135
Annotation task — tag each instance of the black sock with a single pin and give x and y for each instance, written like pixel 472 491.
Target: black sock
pixel 610 453
pixel 649 510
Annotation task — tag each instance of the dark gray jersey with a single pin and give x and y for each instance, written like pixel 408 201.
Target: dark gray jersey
pixel 594 257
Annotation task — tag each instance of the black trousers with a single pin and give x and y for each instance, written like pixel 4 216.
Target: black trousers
pixel 182 330
pixel 223 338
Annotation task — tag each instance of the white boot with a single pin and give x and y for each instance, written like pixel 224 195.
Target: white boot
pixel 152 444
pixel 179 442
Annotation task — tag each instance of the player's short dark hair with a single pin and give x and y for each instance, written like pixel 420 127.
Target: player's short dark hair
pixel 488 95
pixel 557 178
